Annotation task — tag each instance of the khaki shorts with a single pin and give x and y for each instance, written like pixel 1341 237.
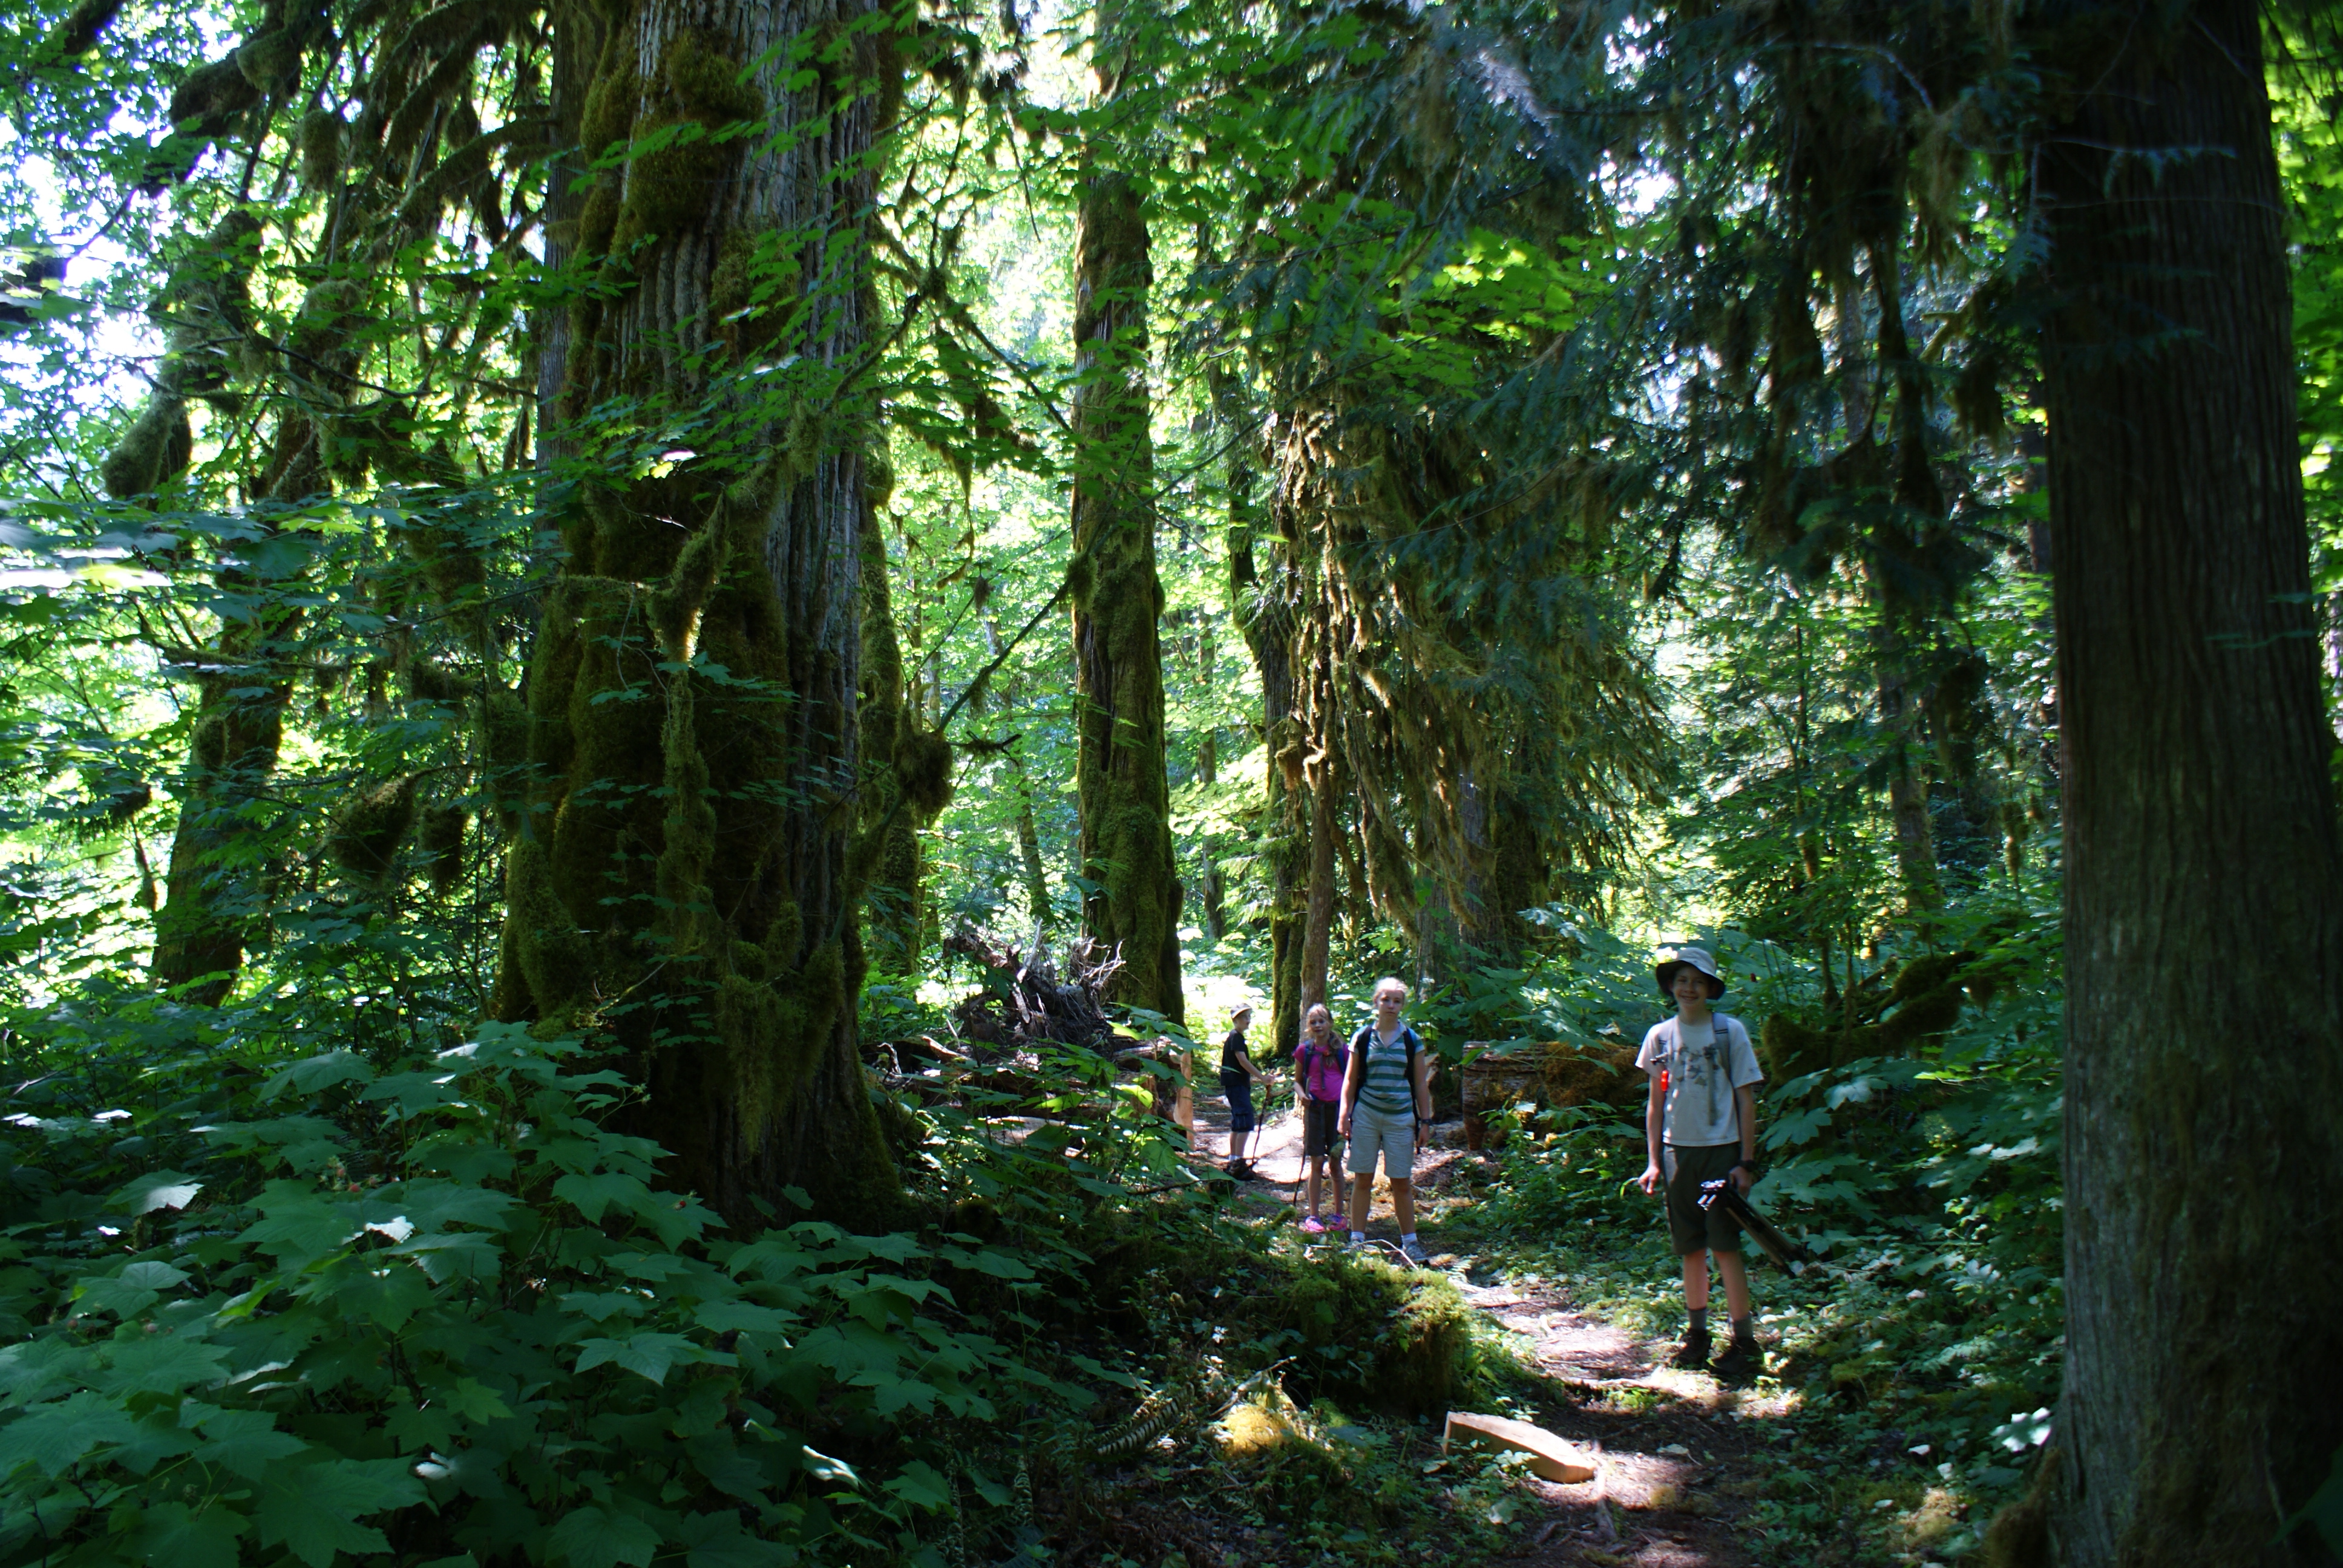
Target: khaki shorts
pixel 1389 1132
pixel 1690 1228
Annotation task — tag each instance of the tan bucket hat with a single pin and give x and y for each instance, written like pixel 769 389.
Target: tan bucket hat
pixel 1673 958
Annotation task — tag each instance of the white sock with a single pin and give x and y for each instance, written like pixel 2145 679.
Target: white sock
pixel 1358 1235
pixel 1406 1239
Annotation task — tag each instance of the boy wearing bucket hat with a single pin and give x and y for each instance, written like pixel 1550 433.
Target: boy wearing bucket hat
pixel 1701 1124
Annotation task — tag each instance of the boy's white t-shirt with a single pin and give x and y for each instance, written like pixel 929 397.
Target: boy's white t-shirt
pixel 1700 1111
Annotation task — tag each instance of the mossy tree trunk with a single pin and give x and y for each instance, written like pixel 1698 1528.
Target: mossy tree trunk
pixel 1265 611
pixel 683 887
pixel 1121 794
pixel 2204 924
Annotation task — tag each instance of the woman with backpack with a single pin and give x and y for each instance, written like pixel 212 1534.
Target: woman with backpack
pixel 1318 1062
pixel 1387 1110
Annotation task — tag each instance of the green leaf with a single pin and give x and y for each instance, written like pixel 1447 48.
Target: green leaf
pixel 156 1189
pixel 319 1073
pixel 245 1442
pixel 130 1291
pixel 475 1400
pixel 919 1485
pixel 436 1205
pixel 160 1364
pixel 590 1538
pixel 299 1224
pixel 593 1194
pixel 725 1317
pixel 172 1535
pixel 650 1354
pixel 600 1306
pixel 717 1541
pixel 455 1255
pixel 31 1370
pixel 56 1436
pixel 313 1507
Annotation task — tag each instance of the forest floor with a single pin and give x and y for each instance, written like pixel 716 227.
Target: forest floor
pixel 1577 1330
pixel 1679 1457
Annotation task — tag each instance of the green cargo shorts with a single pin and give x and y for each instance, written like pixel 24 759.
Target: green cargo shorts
pixel 1690 1227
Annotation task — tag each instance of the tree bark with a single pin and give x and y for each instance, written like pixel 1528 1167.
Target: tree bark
pixel 2203 1156
pixel 1121 793
pixel 683 887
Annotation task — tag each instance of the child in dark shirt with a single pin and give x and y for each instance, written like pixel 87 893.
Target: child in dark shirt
pixel 1239 1073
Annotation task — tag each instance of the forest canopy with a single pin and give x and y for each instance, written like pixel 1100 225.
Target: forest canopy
pixel 667 665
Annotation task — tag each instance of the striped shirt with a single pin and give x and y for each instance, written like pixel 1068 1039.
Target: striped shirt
pixel 1382 1076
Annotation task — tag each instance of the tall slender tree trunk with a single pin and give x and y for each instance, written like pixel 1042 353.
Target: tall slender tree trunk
pixel 2203 1154
pixel 1208 773
pixel 907 768
pixel 682 890
pixel 1028 852
pixel 1318 912
pixel 1265 612
pixel 1121 790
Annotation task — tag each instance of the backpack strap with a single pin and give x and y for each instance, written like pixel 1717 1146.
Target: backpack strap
pixel 1358 1048
pixel 1414 1042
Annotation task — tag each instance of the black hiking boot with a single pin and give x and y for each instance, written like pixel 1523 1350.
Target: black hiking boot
pixel 1743 1359
pixel 1692 1355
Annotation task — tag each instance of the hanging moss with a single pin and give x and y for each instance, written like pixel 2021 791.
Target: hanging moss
pixel 923 769
pixel 676 603
pixel 442 841
pixel 671 189
pixel 366 833
pixel 157 446
pixel 321 149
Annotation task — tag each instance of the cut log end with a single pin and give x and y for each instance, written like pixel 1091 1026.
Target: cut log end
pixel 1552 1458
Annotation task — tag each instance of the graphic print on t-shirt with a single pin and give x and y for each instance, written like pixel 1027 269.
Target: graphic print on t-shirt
pixel 1697 1072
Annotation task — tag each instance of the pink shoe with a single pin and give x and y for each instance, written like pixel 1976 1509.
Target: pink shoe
pixel 1315 1226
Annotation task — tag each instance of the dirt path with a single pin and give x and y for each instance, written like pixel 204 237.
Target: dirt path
pixel 1677 1456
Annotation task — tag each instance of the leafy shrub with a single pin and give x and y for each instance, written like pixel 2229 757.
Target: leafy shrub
pixel 442 1309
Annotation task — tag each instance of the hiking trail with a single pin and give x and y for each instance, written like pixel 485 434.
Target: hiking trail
pixel 1677 1456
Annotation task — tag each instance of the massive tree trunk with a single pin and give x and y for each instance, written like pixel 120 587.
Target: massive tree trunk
pixel 1134 902
pixel 2204 1155
pixel 683 886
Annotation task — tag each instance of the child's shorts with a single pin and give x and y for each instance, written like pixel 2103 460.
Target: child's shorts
pixel 1319 1118
pixel 1390 1133
pixel 1691 1228
pixel 1238 1089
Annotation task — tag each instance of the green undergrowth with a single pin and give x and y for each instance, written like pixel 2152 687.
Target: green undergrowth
pixel 264 1307
pixel 438 1309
